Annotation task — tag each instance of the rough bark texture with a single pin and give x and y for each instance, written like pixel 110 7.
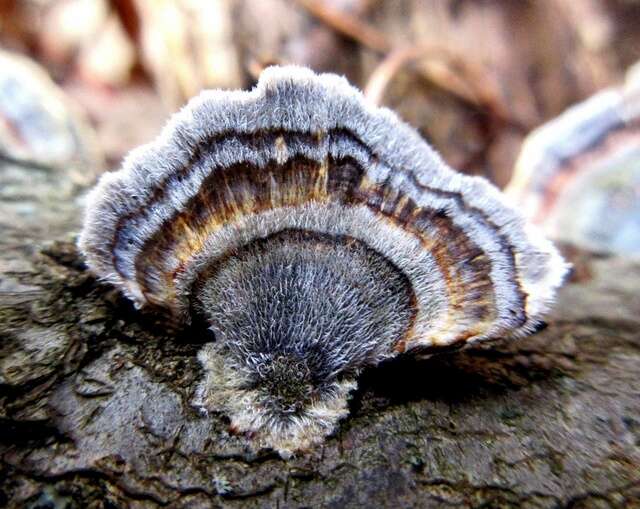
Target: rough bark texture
pixel 95 412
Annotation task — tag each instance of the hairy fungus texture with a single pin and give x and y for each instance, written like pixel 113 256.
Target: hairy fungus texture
pixel 316 235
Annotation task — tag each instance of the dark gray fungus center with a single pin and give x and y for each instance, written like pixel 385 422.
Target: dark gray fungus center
pixel 298 310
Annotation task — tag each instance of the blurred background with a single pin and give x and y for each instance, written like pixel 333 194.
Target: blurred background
pixel 84 81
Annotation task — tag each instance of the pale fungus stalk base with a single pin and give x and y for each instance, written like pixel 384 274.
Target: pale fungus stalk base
pixel 224 390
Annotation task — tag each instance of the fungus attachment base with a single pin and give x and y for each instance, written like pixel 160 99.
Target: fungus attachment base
pixel 225 389
pixel 297 316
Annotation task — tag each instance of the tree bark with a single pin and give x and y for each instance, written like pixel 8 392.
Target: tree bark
pixel 95 400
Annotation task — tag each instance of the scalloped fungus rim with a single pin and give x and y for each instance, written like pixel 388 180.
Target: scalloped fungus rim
pixel 303 152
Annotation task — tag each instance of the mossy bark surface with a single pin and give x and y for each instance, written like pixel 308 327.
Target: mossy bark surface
pixel 95 403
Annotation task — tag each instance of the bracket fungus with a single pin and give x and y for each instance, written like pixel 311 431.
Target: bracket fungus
pixel 316 235
pixel 578 175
